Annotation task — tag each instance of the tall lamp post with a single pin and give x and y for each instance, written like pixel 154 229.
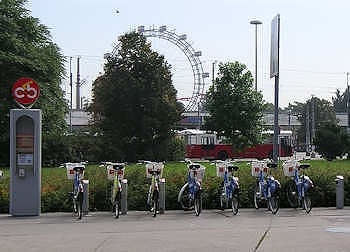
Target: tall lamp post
pixel 256 23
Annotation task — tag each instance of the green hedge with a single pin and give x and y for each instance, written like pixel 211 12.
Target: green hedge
pixel 55 186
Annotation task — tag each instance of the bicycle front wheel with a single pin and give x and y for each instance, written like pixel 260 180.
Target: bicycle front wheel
pixel 198 204
pixel 155 203
pixel 274 204
pixel 185 200
pixel 80 205
pixel 307 203
pixel 117 206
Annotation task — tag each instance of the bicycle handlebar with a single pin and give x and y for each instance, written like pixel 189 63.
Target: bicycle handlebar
pixel 149 162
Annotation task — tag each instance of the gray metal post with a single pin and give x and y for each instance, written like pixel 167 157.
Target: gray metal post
pixel 85 197
pixel 312 120
pixel 276 126
pixel 124 200
pixel 162 196
pixel 339 190
pixel 307 129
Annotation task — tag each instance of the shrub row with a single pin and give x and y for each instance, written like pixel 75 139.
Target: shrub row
pixel 55 186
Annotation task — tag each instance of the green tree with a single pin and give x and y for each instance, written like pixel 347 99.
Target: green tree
pixel 331 140
pixel 340 101
pixel 26 50
pixel 236 109
pixel 324 113
pixel 270 108
pixel 134 102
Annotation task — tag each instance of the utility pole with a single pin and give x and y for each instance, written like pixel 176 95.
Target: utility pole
pixel 312 127
pixel 289 114
pixel 312 120
pixel 307 130
pixel 78 85
pixel 213 72
pixel 71 93
pixel 348 102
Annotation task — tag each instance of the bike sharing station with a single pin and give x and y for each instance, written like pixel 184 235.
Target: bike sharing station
pixel 25 150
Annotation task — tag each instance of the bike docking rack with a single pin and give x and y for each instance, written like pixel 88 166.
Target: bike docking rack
pixel 156 192
pixel 299 186
pixel 229 190
pixel 265 190
pixel 190 195
pixel 119 188
pixel 75 172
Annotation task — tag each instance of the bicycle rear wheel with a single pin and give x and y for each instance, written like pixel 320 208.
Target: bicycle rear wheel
pixel 222 199
pixel 292 194
pixel 273 202
pixel 307 203
pixel 257 196
pixel 234 204
pixel 198 203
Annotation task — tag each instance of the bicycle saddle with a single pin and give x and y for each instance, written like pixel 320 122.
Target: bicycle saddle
pixel 76 168
pixel 304 166
pixel 232 168
pixel 194 166
pixel 272 165
pixel 118 167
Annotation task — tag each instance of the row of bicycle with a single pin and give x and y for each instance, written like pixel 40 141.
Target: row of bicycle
pixel 267 188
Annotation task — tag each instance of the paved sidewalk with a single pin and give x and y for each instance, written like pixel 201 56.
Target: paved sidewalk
pixel 325 229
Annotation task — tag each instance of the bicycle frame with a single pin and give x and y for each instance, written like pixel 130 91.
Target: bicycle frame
pixel 193 184
pixel 266 186
pixel 300 182
pixel 116 186
pixel 153 187
pixel 77 184
pixel 230 185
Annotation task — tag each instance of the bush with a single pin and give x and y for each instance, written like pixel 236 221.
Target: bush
pixel 55 186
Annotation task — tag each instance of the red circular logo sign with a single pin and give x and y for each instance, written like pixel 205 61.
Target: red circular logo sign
pixel 25 91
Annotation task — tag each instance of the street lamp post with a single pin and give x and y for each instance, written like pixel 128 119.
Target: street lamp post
pixel 256 23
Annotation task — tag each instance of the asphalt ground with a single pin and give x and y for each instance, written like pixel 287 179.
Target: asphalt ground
pixel 324 229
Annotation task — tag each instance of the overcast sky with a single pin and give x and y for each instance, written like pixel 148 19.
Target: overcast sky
pixel 314 47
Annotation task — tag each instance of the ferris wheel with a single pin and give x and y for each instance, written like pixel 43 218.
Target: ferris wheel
pixel 191 54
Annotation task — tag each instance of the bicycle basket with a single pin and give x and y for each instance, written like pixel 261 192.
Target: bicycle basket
pixel 156 167
pixel 289 168
pixel 111 172
pixel 198 173
pixel 70 169
pixel 258 166
pixel 220 170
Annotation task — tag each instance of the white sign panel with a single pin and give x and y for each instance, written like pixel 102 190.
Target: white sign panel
pixel 24 159
pixel 275 46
